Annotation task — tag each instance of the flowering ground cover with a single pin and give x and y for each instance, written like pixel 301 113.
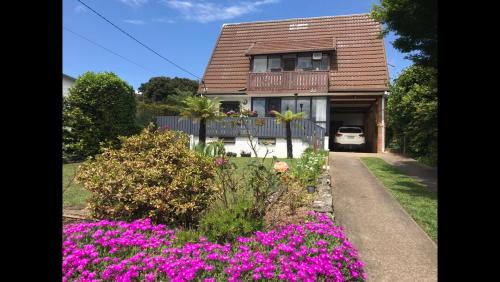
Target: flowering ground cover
pixel 315 250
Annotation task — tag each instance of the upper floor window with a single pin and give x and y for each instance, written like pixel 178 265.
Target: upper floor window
pixel 260 64
pixel 321 64
pixel 304 62
pixel 291 62
pixel 274 63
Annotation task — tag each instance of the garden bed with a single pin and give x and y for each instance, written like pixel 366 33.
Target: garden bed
pixel 119 251
pixel 177 214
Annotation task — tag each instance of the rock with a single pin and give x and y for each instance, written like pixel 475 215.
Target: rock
pixel 324 199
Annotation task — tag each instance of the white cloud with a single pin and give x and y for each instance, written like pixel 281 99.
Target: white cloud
pixel 164 20
pixel 134 3
pixel 81 9
pixel 207 11
pixel 136 22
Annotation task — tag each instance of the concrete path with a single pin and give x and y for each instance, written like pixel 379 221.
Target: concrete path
pixel 392 245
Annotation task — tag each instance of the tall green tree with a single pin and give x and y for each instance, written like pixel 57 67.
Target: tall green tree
pixel 412 112
pixel 287 119
pixel 202 109
pixel 147 112
pixel 415 24
pixel 158 89
pixel 100 107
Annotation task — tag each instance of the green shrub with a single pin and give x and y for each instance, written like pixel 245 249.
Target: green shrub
pixel 308 167
pixel 147 113
pixel 184 236
pixel 261 181
pixel 100 107
pixel 212 149
pixel 153 174
pixel 226 224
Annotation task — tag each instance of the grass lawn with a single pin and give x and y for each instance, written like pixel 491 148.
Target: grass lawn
pixel 415 198
pixel 74 195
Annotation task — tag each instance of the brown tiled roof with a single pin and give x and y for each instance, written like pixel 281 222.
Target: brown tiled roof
pixel 291 46
pixel 360 61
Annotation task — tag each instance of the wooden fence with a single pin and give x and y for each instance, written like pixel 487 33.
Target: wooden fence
pixel 265 127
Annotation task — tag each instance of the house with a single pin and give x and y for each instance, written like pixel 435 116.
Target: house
pixel 68 81
pixel 333 68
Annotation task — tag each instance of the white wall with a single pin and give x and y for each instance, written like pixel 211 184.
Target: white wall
pixel 67 83
pixel 349 118
pixel 278 150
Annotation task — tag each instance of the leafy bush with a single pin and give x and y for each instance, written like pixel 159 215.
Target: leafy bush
pixel 184 236
pixel 226 224
pixel 261 181
pixel 153 175
pixel 231 154
pixel 315 250
pixel 100 107
pixel 308 167
pixel 245 154
pixel 212 149
pixel 147 113
pixel 412 113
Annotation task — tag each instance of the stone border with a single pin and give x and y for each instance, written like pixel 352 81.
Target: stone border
pixel 323 200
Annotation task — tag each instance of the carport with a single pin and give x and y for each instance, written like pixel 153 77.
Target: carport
pixel 364 111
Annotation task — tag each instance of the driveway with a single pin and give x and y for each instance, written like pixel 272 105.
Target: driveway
pixel 392 245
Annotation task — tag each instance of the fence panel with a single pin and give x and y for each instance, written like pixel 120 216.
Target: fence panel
pixel 265 127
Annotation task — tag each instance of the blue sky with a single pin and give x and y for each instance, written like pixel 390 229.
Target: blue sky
pixel 184 31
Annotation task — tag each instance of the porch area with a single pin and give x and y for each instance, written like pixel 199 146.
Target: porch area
pixel 304 131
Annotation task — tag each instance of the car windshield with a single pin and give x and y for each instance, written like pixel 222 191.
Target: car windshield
pixel 350 130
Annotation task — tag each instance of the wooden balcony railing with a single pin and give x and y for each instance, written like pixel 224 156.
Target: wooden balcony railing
pixel 288 81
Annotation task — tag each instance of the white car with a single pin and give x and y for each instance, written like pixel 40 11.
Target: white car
pixel 350 137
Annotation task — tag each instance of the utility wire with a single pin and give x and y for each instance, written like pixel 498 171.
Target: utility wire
pixel 111 51
pixel 144 45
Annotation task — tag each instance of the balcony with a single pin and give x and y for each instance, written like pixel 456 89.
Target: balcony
pixel 288 81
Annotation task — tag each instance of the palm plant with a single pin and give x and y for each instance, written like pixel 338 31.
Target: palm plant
pixel 201 109
pixel 287 118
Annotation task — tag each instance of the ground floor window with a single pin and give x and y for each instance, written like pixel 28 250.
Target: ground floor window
pixel 226 106
pixel 315 108
pixel 228 140
pixel 267 141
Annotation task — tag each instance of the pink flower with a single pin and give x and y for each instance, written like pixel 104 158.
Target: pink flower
pixel 142 248
pixel 221 161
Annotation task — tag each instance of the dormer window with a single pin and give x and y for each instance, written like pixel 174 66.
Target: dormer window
pixel 304 62
pixel 321 64
pixel 274 63
pixel 291 62
pixel 260 64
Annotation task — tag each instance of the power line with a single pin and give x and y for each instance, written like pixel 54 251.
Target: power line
pixel 111 51
pixel 144 45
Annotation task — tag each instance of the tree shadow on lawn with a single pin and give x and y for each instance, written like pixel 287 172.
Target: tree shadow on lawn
pixel 414 189
pixel 410 183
